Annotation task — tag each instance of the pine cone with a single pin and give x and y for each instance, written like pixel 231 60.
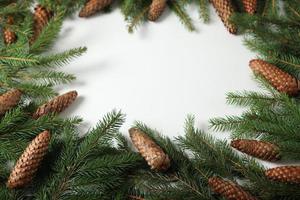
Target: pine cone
pixel 41 18
pixel 157 7
pixel 259 149
pixel 93 6
pixel 279 79
pixel 153 154
pixel 29 161
pixel 286 174
pixel 56 105
pixel 229 190
pixel 250 6
pixel 9 100
pixel 8 35
pixel 225 9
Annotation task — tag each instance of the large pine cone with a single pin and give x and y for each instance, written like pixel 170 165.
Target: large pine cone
pixel 286 174
pixel 250 6
pixel 228 189
pixel 9 36
pixel 28 163
pixel 93 6
pixel 41 18
pixel 225 10
pixel 259 149
pixel 157 7
pixel 279 79
pixel 153 154
pixel 56 105
pixel 9 100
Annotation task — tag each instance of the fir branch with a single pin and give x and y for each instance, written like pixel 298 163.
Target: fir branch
pixel 101 134
pixel 252 99
pixel 52 77
pixel 271 8
pixel 76 161
pixel 185 175
pixel 48 34
pixel 18 60
pixel 292 10
pixel 137 20
pixel 181 13
pixel 204 10
pixel 60 59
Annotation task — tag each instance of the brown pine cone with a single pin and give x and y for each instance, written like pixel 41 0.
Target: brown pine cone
pixel 93 6
pixel 286 174
pixel 259 149
pixel 41 18
pixel 153 154
pixel 29 161
pixel 56 105
pixel 279 79
pixel 9 100
pixel 228 189
pixel 9 36
pixel 225 10
pixel 250 6
pixel 157 7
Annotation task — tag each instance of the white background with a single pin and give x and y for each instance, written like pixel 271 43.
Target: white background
pixel 157 75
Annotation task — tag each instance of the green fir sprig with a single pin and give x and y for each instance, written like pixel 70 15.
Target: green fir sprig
pixel 102 164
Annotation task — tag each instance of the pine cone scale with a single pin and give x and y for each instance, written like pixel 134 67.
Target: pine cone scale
pixel 250 6
pixel 156 9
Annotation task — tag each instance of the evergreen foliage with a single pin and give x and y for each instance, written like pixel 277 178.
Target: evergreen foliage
pixel 101 164
pixel 269 116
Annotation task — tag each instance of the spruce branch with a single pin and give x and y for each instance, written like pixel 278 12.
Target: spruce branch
pixel 252 99
pixel 48 34
pixel 182 14
pixel 271 8
pixel 60 59
pixel 204 10
pixel 137 20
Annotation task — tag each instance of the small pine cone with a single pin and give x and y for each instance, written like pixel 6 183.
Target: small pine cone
pixel 157 7
pixel 225 10
pixel 29 161
pixel 228 189
pixel 279 79
pixel 8 35
pixel 41 18
pixel 93 6
pixel 56 105
pixel 259 149
pixel 9 100
pixel 286 174
pixel 153 154
pixel 250 6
